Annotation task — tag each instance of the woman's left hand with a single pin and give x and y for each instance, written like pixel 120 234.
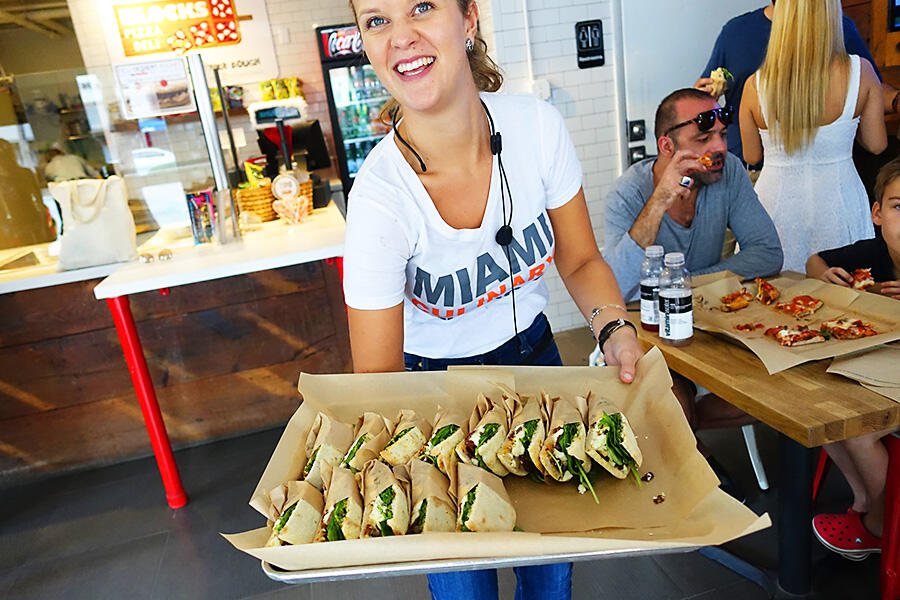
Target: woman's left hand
pixel 622 350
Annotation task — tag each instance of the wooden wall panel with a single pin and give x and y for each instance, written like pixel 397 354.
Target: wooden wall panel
pixel 224 357
pixel 48 313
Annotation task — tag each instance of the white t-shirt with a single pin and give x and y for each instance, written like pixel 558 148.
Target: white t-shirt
pixel 455 283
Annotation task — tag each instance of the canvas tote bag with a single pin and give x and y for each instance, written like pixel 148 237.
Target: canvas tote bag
pixel 98 228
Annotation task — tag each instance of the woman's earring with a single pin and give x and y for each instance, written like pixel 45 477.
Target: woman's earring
pixel 470 45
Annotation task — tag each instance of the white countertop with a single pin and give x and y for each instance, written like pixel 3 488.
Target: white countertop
pixel 43 271
pixel 275 244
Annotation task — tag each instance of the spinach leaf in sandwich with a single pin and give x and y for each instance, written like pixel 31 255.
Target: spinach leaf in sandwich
pixel 530 427
pixel 570 430
pixel 386 498
pixel 467 509
pixel 399 435
pixel 279 525
pixel 614 438
pixel 442 434
pixel 310 462
pixel 487 432
pixel 333 532
pixel 352 453
pixel 419 524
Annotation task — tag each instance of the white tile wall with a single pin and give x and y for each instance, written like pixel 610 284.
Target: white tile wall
pixel 586 98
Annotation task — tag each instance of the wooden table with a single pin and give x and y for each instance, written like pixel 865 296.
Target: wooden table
pixel 806 405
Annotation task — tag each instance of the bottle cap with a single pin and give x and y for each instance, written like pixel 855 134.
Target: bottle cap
pixel 654 251
pixel 673 259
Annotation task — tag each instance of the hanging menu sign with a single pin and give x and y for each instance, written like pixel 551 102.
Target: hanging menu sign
pixel 232 35
pixel 168 26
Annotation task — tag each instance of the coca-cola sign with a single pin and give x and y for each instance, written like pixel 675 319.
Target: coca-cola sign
pixel 341 42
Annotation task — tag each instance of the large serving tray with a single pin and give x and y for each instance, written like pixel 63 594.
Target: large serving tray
pixel 443 566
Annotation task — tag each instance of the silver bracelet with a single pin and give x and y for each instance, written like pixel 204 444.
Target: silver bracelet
pixel 599 310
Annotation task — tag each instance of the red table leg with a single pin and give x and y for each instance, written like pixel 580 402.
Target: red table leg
pixel 143 386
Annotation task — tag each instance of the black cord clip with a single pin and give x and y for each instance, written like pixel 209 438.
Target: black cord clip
pixel 504 235
pixel 496 143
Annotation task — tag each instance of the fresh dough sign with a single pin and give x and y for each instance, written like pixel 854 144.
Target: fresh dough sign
pixel 168 26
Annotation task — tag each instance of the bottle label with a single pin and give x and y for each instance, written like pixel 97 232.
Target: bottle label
pixel 676 317
pixel 650 304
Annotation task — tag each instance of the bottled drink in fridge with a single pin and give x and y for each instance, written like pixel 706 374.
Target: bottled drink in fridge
pixel 650 270
pixel 676 302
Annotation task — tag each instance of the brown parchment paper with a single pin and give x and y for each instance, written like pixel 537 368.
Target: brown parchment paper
pixel 880 311
pixel 877 370
pixel 695 511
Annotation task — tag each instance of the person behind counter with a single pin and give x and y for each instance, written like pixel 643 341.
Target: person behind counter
pixel 63 167
pixel 447 242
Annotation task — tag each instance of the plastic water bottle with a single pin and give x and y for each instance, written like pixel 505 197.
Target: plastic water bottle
pixel 650 270
pixel 676 302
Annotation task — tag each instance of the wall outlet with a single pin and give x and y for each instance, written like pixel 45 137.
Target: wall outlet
pixel 541 88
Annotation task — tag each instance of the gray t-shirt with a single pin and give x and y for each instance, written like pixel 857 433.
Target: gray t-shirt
pixel 731 202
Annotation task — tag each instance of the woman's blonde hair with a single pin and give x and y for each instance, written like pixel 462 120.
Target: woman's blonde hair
pixel 485 71
pixel 807 36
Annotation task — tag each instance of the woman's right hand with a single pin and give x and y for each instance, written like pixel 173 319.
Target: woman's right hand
pixel 622 350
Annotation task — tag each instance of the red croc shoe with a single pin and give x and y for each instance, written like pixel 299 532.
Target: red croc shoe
pixel 846 535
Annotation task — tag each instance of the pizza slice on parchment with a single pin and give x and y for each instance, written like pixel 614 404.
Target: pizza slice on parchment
pixel 847 329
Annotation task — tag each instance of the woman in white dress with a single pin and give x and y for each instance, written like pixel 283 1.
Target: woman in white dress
pixel 802 111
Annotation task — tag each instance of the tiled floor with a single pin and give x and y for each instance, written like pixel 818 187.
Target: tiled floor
pixel 107 533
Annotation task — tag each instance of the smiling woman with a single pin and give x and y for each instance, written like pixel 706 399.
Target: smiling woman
pixel 485 73
pixel 441 265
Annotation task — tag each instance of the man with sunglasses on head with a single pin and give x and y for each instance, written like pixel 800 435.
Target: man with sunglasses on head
pixel 675 201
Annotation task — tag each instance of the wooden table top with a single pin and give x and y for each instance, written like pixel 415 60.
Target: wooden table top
pixel 805 403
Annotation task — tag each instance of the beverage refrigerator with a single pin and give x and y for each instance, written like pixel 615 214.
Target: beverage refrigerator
pixel 355 98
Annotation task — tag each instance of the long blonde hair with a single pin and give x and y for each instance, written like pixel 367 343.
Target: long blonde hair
pixel 807 37
pixel 484 70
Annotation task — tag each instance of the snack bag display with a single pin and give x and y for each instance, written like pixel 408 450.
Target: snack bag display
pixel 268 91
pixel 280 88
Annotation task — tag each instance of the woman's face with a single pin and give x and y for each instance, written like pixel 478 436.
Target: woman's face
pixel 418 48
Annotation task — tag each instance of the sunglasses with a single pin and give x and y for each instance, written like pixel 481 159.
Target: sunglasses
pixel 707 119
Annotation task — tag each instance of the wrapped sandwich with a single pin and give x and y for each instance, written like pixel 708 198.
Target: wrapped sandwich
pixel 296 513
pixel 327 442
pixel 432 498
pixel 342 516
pixel 720 79
pixel 386 501
pixel 488 427
pixel 411 433
pixel 450 427
pixel 371 436
pixel 610 440
pixel 563 455
pixel 521 451
pixel 484 504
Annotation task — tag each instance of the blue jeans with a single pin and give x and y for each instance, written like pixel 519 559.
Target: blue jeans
pixel 534 346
